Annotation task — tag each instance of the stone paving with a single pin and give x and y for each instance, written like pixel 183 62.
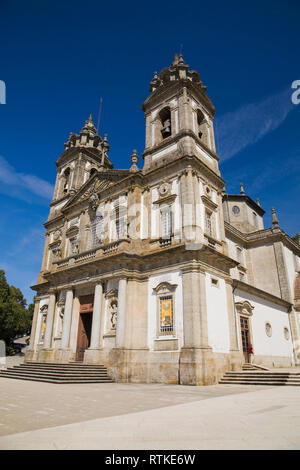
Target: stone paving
pixel 140 416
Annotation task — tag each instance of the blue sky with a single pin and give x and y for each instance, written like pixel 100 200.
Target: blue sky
pixel 58 58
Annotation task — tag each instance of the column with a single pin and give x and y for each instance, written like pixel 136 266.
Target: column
pixel 95 335
pixel 195 311
pixel 120 333
pixel 67 320
pixel 49 322
pixel 33 338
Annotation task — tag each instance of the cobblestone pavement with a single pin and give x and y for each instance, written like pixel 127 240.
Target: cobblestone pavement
pixel 35 415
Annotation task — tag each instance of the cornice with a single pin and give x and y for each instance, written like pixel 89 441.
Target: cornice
pixel 243 286
pixel 175 138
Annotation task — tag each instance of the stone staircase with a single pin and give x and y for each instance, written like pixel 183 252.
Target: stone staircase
pixel 70 373
pixel 248 366
pixel 261 377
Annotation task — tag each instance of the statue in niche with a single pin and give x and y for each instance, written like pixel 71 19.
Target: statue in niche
pixel 113 313
pixel 60 318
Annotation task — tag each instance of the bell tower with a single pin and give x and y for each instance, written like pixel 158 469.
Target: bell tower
pixel 85 154
pixel 179 118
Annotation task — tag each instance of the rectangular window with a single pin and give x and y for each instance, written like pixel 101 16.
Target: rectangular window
pixel 208 223
pixel 254 219
pixel 214 282
pixel 166 222
pixel 166 315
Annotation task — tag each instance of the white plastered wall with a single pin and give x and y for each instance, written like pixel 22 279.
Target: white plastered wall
pixel 267 312
pixel 217 315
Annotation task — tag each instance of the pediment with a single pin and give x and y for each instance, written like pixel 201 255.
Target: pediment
pixel 95 185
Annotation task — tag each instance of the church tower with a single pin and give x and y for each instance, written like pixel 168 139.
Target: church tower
pixel 85 154
pixel 179 118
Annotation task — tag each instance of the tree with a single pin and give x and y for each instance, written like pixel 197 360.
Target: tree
pixel 15 317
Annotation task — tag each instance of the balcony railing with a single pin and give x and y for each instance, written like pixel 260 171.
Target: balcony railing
pixel 95 253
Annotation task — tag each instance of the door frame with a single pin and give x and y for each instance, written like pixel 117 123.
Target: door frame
pixel 245 310
pixel 86 308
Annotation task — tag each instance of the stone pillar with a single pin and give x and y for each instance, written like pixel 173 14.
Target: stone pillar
pixel 31 350
pixel 49 321
pixel 33 327
pixel 95 335
pixel 67 320
pixel 295 335
pixel 196 366
pixel 120 331
pixel 188 205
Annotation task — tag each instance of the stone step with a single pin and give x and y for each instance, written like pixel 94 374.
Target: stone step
pixel 53 375
pixel 258 382
pixel 61 365
pixel 257 374
pixel 261 377
pixel 72 369
pixel 282 379
pixel 58 373
pixel 56 381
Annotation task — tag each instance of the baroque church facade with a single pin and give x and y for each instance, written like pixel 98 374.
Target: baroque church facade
pixel 158 273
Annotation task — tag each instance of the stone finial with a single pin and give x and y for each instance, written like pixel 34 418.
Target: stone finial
pixel 257 202
pixel 134 159
pixel 180 60
pixel 274 218
pixel 242 191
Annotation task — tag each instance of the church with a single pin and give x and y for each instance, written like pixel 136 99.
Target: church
pixel 155 271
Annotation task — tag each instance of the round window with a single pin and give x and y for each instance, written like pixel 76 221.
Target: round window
pixel 268 329
pixel 286 333
pixel 236 210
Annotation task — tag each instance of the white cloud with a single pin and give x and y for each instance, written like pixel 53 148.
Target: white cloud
pixel 248 124
pixel 9 176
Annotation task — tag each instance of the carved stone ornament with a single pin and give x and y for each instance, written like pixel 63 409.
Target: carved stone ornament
pixel 244 308
pixel 164 189
pixel 56 253
pixel 44 309
pixel 94 201
pixel 112 296
pixel 56 235
pixel 113 308
pixel 164 287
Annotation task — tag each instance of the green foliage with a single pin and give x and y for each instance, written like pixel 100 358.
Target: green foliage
pixel 15 318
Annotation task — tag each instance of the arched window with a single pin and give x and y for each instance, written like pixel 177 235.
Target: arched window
pixel 93 171
pixel 66 180
pixel 165 118
pixel 201 123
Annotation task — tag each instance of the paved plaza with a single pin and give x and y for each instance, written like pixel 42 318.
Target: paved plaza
pixel 36 415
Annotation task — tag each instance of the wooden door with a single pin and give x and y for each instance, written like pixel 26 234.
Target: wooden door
pixel 245 337
pixel 84 334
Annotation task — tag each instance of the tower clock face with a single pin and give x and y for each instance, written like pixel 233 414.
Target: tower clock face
pixel 236 210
